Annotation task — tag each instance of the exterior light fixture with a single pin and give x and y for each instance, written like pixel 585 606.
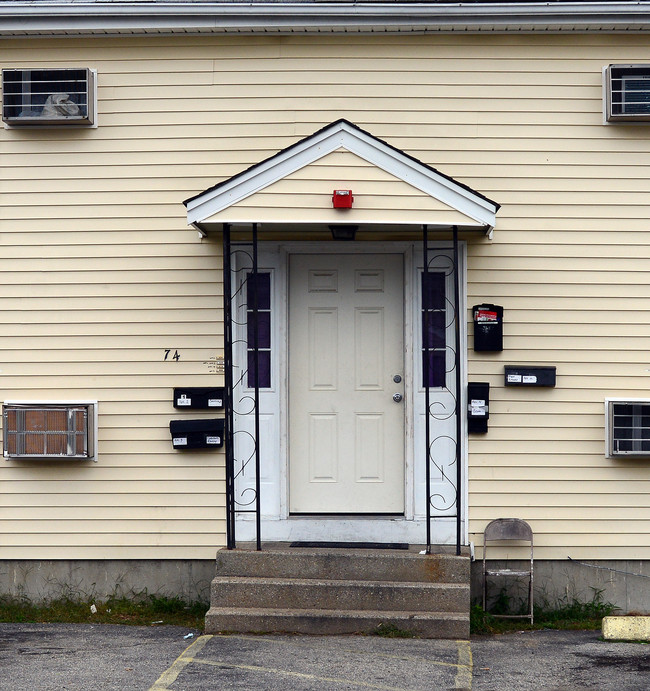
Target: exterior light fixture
pixel 343 232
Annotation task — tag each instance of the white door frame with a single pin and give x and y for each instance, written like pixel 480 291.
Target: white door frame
pixel 277 523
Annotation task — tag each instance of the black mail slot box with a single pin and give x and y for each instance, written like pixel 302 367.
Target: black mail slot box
pixel 526 375
pixel 198 397
pixel 478 407
pixel 196 434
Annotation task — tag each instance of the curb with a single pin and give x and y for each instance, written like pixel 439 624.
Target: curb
pixel 626 628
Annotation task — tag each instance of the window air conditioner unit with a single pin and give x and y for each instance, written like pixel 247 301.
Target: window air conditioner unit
pixel 627 427
pixel 50 430
pixel 627 93
pixel 48 97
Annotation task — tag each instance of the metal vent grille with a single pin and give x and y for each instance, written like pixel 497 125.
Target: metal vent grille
pixel 46 97
pixel 48 430
pixel 627 93
pixel 628 427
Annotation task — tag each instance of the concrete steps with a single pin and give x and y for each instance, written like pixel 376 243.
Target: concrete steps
pixel 329 591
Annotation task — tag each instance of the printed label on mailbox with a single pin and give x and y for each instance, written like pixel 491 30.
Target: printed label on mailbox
pixel 529 379
pixel 484 315
pixel 514 378
pixel 213 440
pixel 180 441
pixel 214 403
pixel 183 400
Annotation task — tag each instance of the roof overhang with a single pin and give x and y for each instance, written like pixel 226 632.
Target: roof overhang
pixel 21 18
pixel 452 204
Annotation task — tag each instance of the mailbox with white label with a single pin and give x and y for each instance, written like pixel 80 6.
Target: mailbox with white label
pixel 197 434
pixel 478 407
pixel 198 398
pixel 529 375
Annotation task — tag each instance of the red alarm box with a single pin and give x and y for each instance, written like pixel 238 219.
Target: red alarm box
pixel 342 199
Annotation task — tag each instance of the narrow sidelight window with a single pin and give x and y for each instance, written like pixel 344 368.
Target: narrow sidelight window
pixel 434 320
pixel 258 288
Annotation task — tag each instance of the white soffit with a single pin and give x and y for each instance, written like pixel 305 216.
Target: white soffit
pixel 479 210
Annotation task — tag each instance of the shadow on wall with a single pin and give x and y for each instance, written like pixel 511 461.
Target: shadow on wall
pixel 41 581
pixel 625 584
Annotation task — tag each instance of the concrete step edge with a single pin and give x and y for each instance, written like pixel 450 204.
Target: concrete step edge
pixel 414 568
pixel 357 555
pixel 443 625
pixel 337 614
pixel 337 583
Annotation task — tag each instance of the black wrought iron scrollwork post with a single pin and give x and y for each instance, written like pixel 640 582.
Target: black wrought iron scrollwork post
pixel 458 391
pixel 256 360
pixel 426 376
pixel 242 379
pixel 228 391
pixel 440 464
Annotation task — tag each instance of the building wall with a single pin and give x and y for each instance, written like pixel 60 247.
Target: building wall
pixel 101 277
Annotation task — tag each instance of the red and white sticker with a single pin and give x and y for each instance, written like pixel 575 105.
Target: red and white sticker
pixel 485 315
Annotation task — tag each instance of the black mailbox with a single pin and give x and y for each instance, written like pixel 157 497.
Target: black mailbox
pixel 196 434
pixel 198 398
pixel 527 375
pixel 478 407
pixel 488 327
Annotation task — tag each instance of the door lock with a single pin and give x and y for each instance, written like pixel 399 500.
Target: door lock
pixel 397 397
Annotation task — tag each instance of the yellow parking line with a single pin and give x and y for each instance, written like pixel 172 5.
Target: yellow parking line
pixel 356 651
pixel 170 675
pixel 463 679
pixel 464 674
pixel 301 675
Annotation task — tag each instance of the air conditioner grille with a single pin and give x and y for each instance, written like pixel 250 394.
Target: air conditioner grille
pixel 48 430
pixel 627 93
pixel 629 428
pixel 45 97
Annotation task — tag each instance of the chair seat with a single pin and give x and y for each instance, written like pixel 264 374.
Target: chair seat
pixel 506 572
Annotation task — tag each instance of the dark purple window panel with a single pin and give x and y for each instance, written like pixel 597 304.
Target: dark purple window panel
pixel 263 329
pixel 433 329
pixel 264 359
pixel 260 285
pixel 258 294
pixel 436 368
pixel 433 290
pixel 436 330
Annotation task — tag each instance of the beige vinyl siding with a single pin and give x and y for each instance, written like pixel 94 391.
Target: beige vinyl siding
pixel 100 275
pixel 307 193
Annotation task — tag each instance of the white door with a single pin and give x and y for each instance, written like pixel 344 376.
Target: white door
pixel 346 363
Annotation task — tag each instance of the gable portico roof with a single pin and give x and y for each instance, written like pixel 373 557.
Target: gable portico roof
pixel 478 211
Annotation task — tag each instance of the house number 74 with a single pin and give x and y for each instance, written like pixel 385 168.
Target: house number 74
pixel 176 356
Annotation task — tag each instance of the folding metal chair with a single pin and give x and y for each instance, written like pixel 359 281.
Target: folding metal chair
pixel 509 530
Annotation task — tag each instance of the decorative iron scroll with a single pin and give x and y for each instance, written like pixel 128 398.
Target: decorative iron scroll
pixel 242 380
pixel 439 315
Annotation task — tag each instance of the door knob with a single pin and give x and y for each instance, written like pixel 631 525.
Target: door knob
pixel 397 397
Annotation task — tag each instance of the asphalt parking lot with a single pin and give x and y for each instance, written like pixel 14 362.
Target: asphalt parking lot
pixel 73 657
